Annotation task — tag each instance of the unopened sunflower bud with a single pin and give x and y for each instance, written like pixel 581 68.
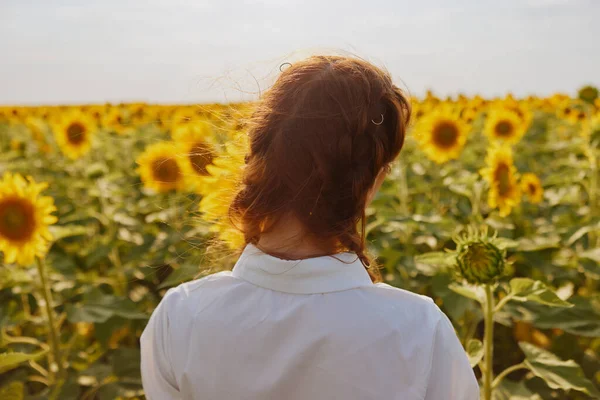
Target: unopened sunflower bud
pixel 479 258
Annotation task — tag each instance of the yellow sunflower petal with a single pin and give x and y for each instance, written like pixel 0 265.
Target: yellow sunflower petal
pixel 24 219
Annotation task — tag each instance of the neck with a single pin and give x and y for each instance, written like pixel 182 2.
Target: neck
pixel 288 239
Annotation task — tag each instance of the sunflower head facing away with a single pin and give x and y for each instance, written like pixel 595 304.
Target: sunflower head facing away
pixel 588 94
pixel 441 135
pixel 74 133
pixel 24 219
pixel 159 167
pixel 505 126
pixel 501 175
pixel 532 187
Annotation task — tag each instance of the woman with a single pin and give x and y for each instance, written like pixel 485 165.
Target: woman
pixel 300 316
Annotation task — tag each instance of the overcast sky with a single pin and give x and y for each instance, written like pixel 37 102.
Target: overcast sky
pixel 74 51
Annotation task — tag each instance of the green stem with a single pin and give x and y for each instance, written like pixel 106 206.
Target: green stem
pixel 593 193
pixel 507 371
pixel 476 203
pixel 121 277
pixel 502 302
pixel 593 177
pixel 403 189
pixel 53 332
pixel 488 316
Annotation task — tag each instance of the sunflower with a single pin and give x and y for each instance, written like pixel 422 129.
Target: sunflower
pixel 24 219
pixel 220 187
pixel 182 117
pixel 115 120
pixel 591 129
pixel 504 125
pixel 501 175
pixel 468 114
pixel 572 111
pixel 96 112
pixel 588 94
pixel 138 113
pixel 73 133
pixel 196 145
pixel 531 185
pixel 37 128
pixel 441 135
pixel 159 167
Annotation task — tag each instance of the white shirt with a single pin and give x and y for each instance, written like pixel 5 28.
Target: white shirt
pixel 310 329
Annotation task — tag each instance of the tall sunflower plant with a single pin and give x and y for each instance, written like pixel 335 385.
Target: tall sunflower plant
pixel 481 269
pixel 481 265
pixel 25 220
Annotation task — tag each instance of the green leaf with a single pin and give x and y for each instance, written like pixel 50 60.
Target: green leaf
pixel 509 390
pixel 592 254
pixel 182 274
pixel 471 292
pixel 557 373
pixel 579 233
pixel 11 276
pixel 13 391
pixel 453 304
pixel 126 363
pixel 474 350
pixel 69 389
pixel 504 243
pixel 583 319
pixel 525 289
pixel 61 232
pixel 461 189
pixel 96 170
pixel 109 391
pixel 436 259
pixel 99 307
pixel 84 313
pixel 10 361
pixel 536 243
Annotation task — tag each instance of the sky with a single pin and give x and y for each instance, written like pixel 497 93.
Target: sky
pixel 192 51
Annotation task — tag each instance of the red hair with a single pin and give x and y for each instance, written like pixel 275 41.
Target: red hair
pixel 316 148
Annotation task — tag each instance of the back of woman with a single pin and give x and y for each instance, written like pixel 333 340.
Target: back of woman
pixel 301 315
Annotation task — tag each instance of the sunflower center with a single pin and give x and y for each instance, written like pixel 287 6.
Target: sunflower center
pixel 503 128
pixel 531 188
pixel 166 170
pixel 17 219
pixel 478 257
pixel 445 134
pixel 76 133
pixel 200 156
pixel 502 178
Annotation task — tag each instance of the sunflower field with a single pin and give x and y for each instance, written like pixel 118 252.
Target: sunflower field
pixel 492 209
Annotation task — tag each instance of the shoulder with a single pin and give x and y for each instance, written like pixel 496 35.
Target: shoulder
pixel 190 292
pixel 402 297
pixel 399 307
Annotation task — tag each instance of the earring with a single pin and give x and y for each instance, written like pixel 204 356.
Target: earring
pixel 380 122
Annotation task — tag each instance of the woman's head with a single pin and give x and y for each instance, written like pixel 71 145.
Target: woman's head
pixel 319 139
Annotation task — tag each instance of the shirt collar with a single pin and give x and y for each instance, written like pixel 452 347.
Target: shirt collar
pixel 306 276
